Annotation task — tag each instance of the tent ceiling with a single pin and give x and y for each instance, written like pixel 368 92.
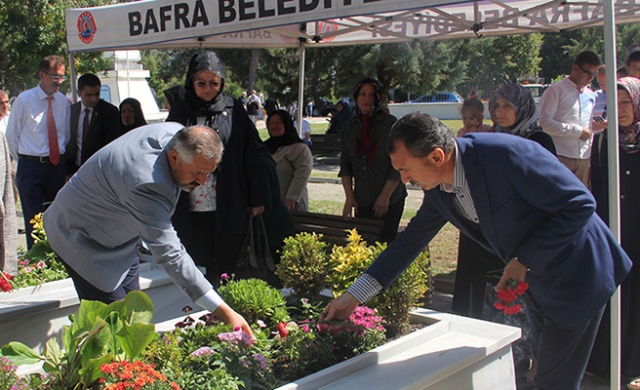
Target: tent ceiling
pixel 282 23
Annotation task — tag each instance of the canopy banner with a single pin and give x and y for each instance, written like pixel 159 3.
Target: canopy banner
pixel 144 22
pixel 284 23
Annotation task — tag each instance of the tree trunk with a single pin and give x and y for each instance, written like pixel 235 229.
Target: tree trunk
pixel 253 69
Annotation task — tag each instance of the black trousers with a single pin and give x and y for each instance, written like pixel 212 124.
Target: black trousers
pixel 88 291
pixel 391 219
pixel 561 354
pixel 38 183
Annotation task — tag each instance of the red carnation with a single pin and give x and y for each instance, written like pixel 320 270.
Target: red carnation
pixel 5 285
pixel 282 330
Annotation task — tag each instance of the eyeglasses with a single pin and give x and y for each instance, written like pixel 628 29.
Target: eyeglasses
pixel 588 73
pixel 202 84
pixel 56 78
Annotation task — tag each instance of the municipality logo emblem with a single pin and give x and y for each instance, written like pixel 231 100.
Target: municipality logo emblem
pixel 86 27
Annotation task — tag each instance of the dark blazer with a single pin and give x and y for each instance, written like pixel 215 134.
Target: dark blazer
pixel 530 207
pixel 104 127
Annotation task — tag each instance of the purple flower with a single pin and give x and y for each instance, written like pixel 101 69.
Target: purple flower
pixel 235 336
pixel 202 351
pixel 261 360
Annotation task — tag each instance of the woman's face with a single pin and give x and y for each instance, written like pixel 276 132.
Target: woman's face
pixel 206 84
pixel 505 114
pixel 128 114
pixel 625 108
pixel 366 98
pixel 275 126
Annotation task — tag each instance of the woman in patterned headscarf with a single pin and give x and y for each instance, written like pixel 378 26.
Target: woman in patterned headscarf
pixel 372 187
pixel 515 111
pixel 629 143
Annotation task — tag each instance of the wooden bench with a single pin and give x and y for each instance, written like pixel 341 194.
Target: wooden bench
pixel 323 144
pixel 335 229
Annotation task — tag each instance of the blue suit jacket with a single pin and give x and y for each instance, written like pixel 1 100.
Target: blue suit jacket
pixel 530 207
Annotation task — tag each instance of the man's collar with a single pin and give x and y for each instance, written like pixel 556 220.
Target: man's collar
pixel 458 173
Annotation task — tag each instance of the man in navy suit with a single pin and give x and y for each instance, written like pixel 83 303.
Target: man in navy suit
pixel 94 123
pixel 518 201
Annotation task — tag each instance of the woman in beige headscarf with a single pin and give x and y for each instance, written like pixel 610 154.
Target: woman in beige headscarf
pixel 8 227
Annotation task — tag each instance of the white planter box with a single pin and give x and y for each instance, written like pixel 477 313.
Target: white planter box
pixel 33 315
pixel 453 352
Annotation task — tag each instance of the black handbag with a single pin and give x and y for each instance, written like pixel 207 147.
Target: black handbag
pixel 255 260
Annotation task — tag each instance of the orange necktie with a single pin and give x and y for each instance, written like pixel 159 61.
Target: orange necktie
pixel 54 150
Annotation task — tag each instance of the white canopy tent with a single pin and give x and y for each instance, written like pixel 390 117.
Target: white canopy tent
pixel 163 24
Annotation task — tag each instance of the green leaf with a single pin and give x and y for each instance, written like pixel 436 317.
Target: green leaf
pixel 52 355
pixel 90 371
pixel 85 317
pixel 139 307
pixel 135 338
pixel 94 345
pixel 20 354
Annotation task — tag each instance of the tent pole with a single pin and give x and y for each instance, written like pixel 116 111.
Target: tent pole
pixel 301 86
pixel 614 178
pixel 72 77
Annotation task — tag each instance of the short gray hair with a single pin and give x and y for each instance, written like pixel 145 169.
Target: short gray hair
pixel 421 134
pixel 194 140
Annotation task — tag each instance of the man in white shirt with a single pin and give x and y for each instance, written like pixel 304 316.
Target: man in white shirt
pixel 565 114
pixel 37 135
pixel 4 111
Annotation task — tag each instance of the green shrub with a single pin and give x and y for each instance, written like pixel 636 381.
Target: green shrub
pixel 255 300
pixel 303 265
pixel 404 293
pixel 349 262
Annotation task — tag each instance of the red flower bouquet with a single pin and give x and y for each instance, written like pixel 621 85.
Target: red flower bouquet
pixel 508 296
pixel 5 284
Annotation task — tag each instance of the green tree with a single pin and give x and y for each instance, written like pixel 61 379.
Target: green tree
pixel 33 29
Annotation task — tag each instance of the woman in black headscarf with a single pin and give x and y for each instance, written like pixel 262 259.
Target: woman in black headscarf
pixel 515 110
pixel 629 167
pixel 293 158
pixel 372 187
pixel 211 220
pixel 131 115
pixel 173 95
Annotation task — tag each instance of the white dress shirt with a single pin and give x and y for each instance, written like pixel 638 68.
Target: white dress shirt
pixel 4 122
pixel 564 111
pixel 27 130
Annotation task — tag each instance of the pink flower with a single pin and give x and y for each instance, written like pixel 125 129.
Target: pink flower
pixel 28 269
pixel 42 264
pixel 235 336
pixel 225 276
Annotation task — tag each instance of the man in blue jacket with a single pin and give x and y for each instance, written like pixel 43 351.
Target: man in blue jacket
pixel 518 201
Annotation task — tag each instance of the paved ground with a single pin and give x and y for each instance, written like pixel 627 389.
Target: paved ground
pixel 330 189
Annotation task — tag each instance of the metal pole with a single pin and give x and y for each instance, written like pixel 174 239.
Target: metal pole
pixel 614 172
pixel 72 78
pixel 301 86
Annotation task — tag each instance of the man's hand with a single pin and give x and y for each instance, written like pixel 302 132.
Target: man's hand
pixel 513 270
pixel 586 134
pixel 340 308
pixel 228 316
pixel 599 125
